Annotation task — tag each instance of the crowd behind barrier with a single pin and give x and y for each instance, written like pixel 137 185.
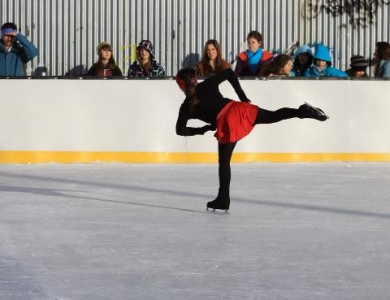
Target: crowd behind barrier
pixel 305 60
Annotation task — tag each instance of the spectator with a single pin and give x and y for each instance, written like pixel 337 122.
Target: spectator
pixel 106 65
pixel 358 67
pixel 303 59
pixel 250 61
pixel 280 66
pixel 145 65
pixel 322 66
pixel 15 51
pixel 211 61
pixel 382 59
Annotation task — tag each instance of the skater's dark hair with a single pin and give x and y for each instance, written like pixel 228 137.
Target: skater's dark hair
pixel 186 79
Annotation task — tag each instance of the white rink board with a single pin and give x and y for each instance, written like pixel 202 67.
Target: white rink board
pixel 140 116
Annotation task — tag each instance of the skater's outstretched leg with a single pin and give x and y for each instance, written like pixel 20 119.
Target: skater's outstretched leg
pixel 225 152
pixel 304 111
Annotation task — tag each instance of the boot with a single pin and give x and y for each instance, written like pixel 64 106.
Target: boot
pixel 308 111
pixel 222 202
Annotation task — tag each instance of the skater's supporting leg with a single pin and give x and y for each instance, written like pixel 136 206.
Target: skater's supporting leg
pixel 225 152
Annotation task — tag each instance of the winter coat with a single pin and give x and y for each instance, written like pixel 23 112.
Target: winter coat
pixel 109 72
pixel 313 71
pixel 23 51
pixel 136 70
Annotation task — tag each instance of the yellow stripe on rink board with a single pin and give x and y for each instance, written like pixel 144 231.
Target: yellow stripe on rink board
pixel 23 157
pixel 311 157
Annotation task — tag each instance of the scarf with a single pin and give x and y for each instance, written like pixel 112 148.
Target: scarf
pixel 254 59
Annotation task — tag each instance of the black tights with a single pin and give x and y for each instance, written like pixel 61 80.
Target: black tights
pixel 225 151
pixel 267 117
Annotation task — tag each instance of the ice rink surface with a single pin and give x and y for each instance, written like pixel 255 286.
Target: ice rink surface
pixel 135 231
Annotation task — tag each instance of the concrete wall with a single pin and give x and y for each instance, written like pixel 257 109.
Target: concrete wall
pixel 63 120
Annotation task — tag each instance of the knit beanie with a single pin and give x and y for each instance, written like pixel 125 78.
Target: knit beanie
pixel 103 45
pixel 358 63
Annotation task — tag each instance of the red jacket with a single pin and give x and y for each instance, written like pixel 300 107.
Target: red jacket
pixel 242 67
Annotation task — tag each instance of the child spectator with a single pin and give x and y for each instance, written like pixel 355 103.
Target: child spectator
pixel 145 65
pixel 15 51
pixel 358 67
pixel 382 59
pixel 211 61
pixel 303 59
pixel 281 66
pixel 250 61
pixel 106 65
pixel 322 66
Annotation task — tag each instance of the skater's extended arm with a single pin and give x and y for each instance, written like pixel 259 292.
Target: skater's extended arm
pixel 228 74
pixel 182 128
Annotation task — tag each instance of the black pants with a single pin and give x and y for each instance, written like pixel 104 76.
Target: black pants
pixel 225 151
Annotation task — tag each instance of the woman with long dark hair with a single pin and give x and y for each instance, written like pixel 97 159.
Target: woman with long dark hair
pixel 231 119
pixel 211 61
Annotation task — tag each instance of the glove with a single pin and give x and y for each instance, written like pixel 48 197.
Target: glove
pixel 206 128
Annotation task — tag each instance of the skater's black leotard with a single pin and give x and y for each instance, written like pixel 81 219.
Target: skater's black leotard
pixel 211 102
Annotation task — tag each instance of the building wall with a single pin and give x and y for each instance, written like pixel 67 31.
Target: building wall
pixel 68 31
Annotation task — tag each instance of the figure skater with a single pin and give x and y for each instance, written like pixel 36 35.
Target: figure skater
pixel 232 120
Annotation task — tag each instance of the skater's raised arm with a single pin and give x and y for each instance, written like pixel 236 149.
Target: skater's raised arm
pixel 228 75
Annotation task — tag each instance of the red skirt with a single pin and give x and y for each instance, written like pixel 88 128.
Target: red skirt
pixel 235 121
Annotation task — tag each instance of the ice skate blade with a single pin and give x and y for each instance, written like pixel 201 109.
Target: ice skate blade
pixel 219 211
